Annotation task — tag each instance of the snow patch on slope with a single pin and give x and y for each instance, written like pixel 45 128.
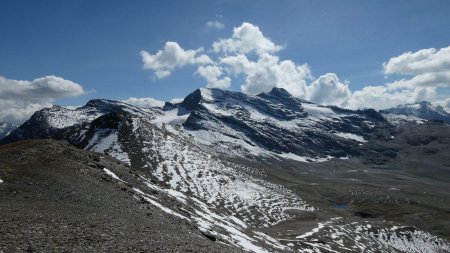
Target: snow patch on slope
pixel 189 168
pixel 106 141
pixel 174 117
pixel 341 235
pixel 62 117
pixel 110 173
pixel 148 198
pixel 351 136
pixel 218 224
pixel 303 158
pixel 398 119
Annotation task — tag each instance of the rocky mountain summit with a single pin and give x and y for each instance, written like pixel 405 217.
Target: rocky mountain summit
pixel 273 173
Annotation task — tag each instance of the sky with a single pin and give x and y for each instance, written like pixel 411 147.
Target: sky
pixel 353 54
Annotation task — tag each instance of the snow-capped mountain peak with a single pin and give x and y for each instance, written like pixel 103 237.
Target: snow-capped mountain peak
pixel 424 110
pixel 271 123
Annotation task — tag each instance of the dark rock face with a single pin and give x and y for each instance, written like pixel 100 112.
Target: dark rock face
pixel 192 101
pixel 278 103
pixel 423 110
pixel 168 106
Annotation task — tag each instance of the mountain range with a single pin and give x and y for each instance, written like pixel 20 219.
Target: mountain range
pixel 271 172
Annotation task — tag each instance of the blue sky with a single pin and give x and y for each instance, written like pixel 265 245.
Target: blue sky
pixel 97 44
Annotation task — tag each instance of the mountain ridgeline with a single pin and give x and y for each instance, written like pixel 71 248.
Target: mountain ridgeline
pixel 273 123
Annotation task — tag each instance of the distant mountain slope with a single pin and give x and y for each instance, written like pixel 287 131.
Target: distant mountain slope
pixel 6 128
pixel 423 110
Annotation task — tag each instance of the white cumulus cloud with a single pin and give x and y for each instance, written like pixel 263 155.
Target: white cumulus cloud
pixel 423 61
pixel 172 56
pixel 267 72
pixel 424 68
pixel 19 99
pixel 246 38
pixel 423 72
pixel 213 74
pixel 432 79
pixel 329 90
pixel 380 97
